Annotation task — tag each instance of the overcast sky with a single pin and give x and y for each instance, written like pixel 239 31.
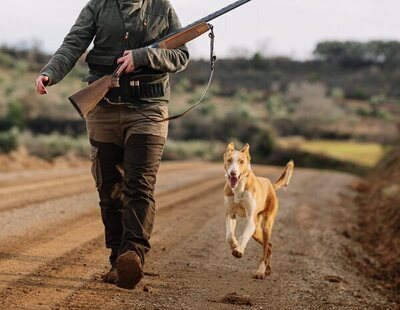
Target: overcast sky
pixel 274 27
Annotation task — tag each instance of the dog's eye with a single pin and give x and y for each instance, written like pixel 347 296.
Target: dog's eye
pixel 241 161
pixel 229 161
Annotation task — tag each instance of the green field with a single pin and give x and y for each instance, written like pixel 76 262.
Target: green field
pixel 364 154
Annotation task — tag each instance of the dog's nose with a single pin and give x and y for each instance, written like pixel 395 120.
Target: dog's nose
pixel 233 173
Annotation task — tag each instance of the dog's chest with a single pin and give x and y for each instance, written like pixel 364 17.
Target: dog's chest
pixel 241 202
pixel 238 209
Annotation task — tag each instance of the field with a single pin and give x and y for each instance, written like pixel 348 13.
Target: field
pixel 364 154
pixel 53 255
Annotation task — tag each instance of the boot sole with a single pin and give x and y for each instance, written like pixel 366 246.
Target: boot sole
pixel 129 269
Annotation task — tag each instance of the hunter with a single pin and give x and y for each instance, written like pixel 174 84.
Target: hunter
pixel 119 135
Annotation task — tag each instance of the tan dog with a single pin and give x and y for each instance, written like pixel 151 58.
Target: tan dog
pixel 253 198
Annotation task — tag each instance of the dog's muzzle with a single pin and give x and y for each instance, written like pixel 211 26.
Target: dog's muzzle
pixel 233 180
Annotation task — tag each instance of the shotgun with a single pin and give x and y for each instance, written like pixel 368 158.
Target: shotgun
pixel 86 99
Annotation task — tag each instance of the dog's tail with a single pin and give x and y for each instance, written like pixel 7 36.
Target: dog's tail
pixel 284 179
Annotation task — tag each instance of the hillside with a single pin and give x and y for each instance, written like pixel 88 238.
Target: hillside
pixel 379 228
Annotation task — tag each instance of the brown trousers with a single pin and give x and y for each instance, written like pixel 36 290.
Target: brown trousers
pixel 122 137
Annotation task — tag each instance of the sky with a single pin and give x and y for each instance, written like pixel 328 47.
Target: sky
pixel 273 27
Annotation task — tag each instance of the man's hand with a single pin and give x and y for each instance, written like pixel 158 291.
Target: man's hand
pixel 126 63
pixel 41 83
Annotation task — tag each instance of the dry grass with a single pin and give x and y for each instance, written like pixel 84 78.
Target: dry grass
pixel 380 222
pixel 363 154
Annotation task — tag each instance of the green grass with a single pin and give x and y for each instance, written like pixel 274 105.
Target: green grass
pixel 364 154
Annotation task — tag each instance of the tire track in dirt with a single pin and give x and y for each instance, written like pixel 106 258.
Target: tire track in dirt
pixel 10 179
pixel 68 242
pixel 32 176
pixel 18 195
pixel 46 219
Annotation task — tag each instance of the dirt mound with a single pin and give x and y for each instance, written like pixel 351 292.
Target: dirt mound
pixel 21 160
pixel 235 299
pixel 380 222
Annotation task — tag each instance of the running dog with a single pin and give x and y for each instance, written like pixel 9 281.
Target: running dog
pixel 253 198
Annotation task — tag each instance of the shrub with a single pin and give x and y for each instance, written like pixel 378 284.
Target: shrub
pixel 53 145
pixel 9 140
pixel 15 116
pixel 263 144
pixel 6 60
pixel 197 149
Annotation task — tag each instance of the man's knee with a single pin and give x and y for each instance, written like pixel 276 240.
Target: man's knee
pixel 106 159
pixel 141 162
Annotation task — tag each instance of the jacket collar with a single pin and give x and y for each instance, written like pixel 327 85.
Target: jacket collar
pixel 134 5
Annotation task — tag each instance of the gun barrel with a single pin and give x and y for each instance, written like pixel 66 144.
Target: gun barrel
pixel 223 11
pixel 206 19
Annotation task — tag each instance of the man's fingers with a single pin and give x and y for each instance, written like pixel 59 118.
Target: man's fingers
pixel 130 68
pixel 41 89
pixel 122 68
pixel 40 84
pixel 127 53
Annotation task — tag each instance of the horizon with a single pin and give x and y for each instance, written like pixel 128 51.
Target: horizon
pixel 274 28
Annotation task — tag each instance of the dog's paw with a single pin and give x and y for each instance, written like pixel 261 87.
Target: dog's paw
pixel 259 276
pixel 237 253
pixel 268 271
pixel 233 244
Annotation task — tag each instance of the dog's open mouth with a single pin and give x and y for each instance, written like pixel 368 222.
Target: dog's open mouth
pixel 233 181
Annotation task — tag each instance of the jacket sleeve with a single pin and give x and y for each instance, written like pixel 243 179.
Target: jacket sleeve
pixel 164 60
pixel 75 44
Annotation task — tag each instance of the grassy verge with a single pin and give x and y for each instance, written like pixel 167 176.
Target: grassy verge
pixel 379 227
pixel 363 154
pixel 198 149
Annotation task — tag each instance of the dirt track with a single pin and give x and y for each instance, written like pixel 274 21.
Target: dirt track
pixel 52 252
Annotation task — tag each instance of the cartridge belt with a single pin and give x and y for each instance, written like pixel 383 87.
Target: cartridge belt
pixel 136 90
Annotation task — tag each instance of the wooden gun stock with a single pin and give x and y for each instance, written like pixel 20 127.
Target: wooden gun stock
pixel 184 37
pixel 87 98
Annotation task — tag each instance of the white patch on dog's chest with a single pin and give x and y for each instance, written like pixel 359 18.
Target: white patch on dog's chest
pixel 239 210
pixel 243 202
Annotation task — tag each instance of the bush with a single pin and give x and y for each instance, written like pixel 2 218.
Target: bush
pixel 263 144
pixel 9 140
pixel 50 146
pixel 6 60
pixel 15 116
pixel 197 149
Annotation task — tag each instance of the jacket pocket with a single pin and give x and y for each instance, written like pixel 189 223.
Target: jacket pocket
pixel 156 27
pixel 95 169
pixel 100 60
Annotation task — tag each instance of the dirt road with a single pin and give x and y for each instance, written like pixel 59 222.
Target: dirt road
pixel 52 252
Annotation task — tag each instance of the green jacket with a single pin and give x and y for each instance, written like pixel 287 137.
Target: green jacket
pixel 116 26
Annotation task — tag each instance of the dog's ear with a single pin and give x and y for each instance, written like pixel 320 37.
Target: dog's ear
pixel 246 150
pixel 231 147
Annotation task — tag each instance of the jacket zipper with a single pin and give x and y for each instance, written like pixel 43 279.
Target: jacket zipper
pixel 126 40
pixel 126 35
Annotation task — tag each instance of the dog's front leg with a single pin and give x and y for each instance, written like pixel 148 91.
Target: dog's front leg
pixel 230 223
pixel 248 230
pixel 230 231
